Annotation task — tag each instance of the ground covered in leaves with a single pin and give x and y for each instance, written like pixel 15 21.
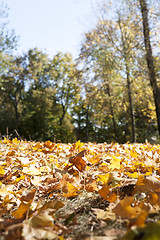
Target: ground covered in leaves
pixel 79 191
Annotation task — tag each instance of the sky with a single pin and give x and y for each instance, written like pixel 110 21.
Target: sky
pixel 50 25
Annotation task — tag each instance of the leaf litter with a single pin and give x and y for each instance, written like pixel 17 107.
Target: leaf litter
pixel 79 191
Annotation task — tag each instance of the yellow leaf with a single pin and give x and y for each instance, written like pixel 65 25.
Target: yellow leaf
pixel 20 178
pixel 149 232
pixel 79 144
pixel 133 175
pixel 115 164
pixel 15 140
pixel 133 154
pixel 104 179
pixel 2 171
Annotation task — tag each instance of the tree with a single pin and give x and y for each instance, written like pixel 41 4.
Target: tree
pixel 149 59
pixel 39 96
pixel 8 39
pixel 65 80
pixel 8 42
pixel 12 90
pixel 113 58
pixel 110 51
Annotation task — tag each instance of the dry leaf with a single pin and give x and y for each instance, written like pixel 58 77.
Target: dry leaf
pixel 124 209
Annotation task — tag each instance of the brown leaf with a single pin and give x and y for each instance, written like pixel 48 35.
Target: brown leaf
pixel 124 209
pixel 78 162
pixel 29 197
pixel 43 219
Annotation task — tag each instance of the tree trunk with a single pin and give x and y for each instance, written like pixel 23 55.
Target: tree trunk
pixel 63 114
pixel 87 125
pixel 112 113
pixel 127 70
pixel 17 116
pixel 149 59
pixel 130 105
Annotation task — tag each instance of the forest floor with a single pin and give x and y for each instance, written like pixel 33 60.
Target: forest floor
pixel 83 191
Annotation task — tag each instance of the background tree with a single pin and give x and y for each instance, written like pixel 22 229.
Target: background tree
pixel 8 42
pixel 65 79
pixel 114 48
pixel 12 93
pixel 149 59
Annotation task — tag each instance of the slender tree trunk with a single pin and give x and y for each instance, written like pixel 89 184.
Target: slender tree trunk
pixel 149 59
pixel 63 114
pixel 112 113
pixel 126 59
pixel 131 105
pixel 87 125
pixel 17 116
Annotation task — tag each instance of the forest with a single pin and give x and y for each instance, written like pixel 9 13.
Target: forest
pixel 110 93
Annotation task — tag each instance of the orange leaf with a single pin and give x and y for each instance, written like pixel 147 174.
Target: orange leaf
pixel 72 191
pixel 78 162
pixel 49 144
pixel 11 153
pixel 112 198
pixel 91 187
pixel 104 191
pixel 140 221
pixel 79 155
pixel 153 198
pixel 23 208
pixel 95 160
pixel 125 210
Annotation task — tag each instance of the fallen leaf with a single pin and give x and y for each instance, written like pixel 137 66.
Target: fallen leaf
pixel 104 215
pixel 72 191
pixel 115 164
pixel 43 219
pixel 24 206
pixel 104 191
pixel 78 162
pixel 124 209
